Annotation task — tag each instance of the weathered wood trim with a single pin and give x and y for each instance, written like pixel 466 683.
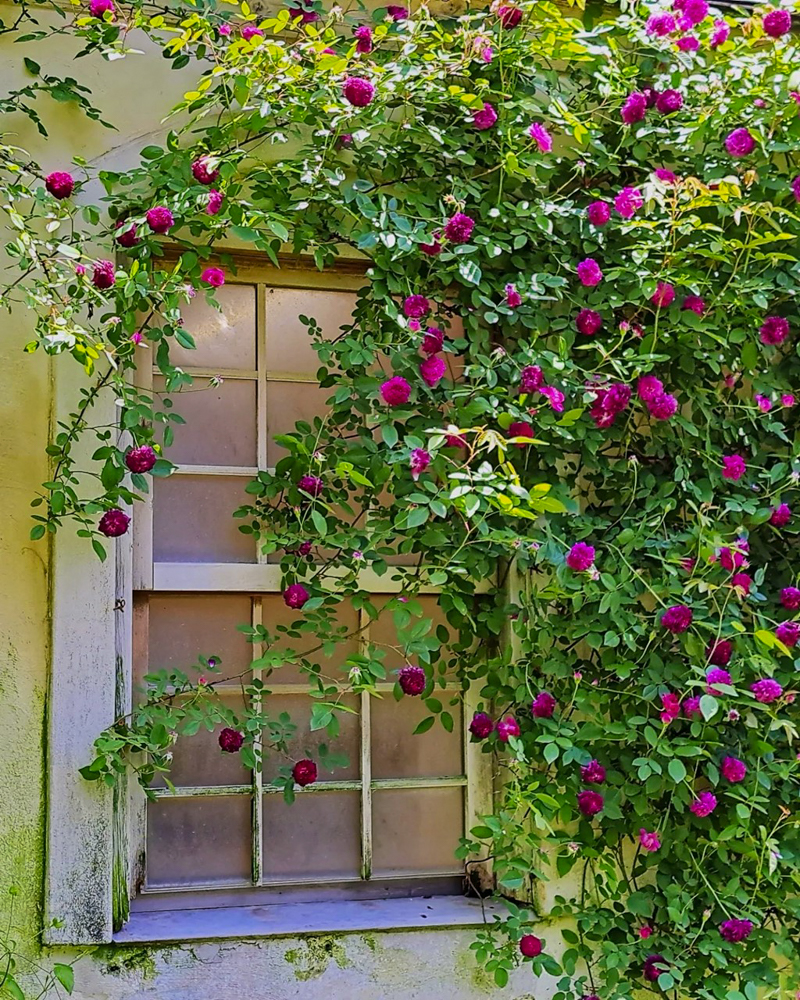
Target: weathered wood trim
pixel 81 703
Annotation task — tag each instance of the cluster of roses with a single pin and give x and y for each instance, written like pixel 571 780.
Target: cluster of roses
pixel 304 771
pixel 160 219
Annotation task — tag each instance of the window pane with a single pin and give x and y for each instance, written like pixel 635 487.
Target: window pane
pixel 316 837
pixel 288 402
pixel 193 519
pixel 288 343
pixel 198 759
pixel 276 613
pixel 397 753
pixel 416 830
pixel 384 633
pixel 183 626
pixel 203 841
pixel 220 426
pixel 225 339
pixel 304 743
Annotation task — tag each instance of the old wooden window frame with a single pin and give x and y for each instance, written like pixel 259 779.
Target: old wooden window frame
pixel 95 835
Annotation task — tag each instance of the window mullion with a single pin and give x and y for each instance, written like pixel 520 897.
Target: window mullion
pixel 258 774
pixel 366 760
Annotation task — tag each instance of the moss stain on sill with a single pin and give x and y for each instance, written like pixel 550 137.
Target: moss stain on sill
pixel 314 956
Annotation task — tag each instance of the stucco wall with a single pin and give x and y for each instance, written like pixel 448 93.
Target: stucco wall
pixel 415 965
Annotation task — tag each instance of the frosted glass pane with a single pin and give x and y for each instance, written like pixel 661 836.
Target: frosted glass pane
pixel 397 753
pixel 304 743
pixel 288 343
pixel 383 632
pixel 288 402
pixel 220 426
pixel 203 841
pixel 275 613
pixel 318 836
pixel 416 831
pixel 198 759
pixel 225 339
pixel 193 520
pixel 183 626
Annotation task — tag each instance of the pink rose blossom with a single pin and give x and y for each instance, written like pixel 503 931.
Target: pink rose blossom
pixel 554 396
pixel 774 330
pixel 213 276
pixel 691 707
pixel 541 137
pixel 513 298
pixel 459 228
pixel 689 43
pixel 766 690
pixel 733 770
pixel 719 653
pixel 781 515
pixel 717 676
pixel 416 306
pixel 764 403
pixel 704 804
pixel 531 378
pixel 742 583
pixel 663 296
pixel 295 596
pixel 593 773
pixel 580 557
pixel 788 633
pixel 433 370
pixel 649 841
pixel 661 25
pixel 663 407
pixel 669 101
pixel 649 388
pixel 695 304
pixel 740 143
pixel 519 428
pixel 628 202
pixel 507 728
pixel 589 272
pixel 665 176
pixel 396 391
pixel 598 213
pixel 777 22
pixel 358 91
pixel 363 37
pixel 590 803
pixel 645 931
pixel 671 707
pixel 420 460
pixel 251 31
pixel 203 171
pixel 677 619
pixel 787 399
pixel 543 705
pixel 588 322
pixel 485 118
pixel 720 35
pixel 214 201
pixel 634 109
pixel 733 467
pixel 433 341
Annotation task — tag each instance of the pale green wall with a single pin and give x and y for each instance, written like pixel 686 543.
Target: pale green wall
pixel 396 966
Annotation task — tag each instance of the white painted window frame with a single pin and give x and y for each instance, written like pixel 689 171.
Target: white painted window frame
pixel 95 835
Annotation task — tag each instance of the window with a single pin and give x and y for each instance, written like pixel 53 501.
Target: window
pixel 388 824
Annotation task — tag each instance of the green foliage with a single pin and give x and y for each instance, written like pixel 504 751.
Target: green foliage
pixel 302 169
pixel 22 978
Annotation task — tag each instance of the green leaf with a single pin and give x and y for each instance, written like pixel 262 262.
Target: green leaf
pixel 709 706
pixel 470 272
pixel 424 726
pixel 677 770
pixel 389 433
pixel 417 516
pixel 750 355
pixel 11 987
pixel 37 532
pixel 319 523
pixel 65 975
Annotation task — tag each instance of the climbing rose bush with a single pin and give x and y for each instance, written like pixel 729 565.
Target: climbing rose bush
pixel 573 368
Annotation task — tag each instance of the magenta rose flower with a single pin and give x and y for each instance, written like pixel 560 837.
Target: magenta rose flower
pixel 459 228
pixel 213 276
pixel 506 728
pixel 663 296
pixel 774 330
pixel 593 773
pixel 649 388
pixel 588 322
pixel 720 34
pixel 310 484
pixel 634 109
pixel 781 515
pixel 777 22
pixel 396 391
pixel 628 202
pixel 663 407
pixel 304 772
pixel 590 803
pixel 416 306
pixel 513 298
pixel 97 8
pixel 649 840
pixel 433 370
pixel 766 690
pixel 433 341
pixel 589 272
pixel 160 219
pixel 733 467
pixel 653 966
pixel 543 705
pixel 661 25
pixel 295 596
pixel 419 462
pixel 704 804
pixel 230 740
pixel 485 118
pixel 481 726
pixel 695 304
pixel 790 598
pixel 530 946
pixel 719 653
pixel 358 91
pixel 580 557
pixel 251 31
pixel 60 184
pixel 113 523
pixel 363 37
pixel 733 770
pixel 677 618
pixel 141 459
pixel 531 378
pixel 214 202
pixel 669 101
pixel 103 274
pixel 412 680
pixel 520 428
pixel 203 171
pixel 788 633
pixel 735 931
pixel 598 213
pixel 740 142
pixel 541 137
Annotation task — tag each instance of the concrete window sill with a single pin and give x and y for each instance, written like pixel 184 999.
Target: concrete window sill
pixel 301 919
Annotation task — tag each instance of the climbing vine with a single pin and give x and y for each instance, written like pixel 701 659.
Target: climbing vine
pixel 572 368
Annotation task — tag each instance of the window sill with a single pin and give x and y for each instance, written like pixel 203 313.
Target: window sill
pixel 301 919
